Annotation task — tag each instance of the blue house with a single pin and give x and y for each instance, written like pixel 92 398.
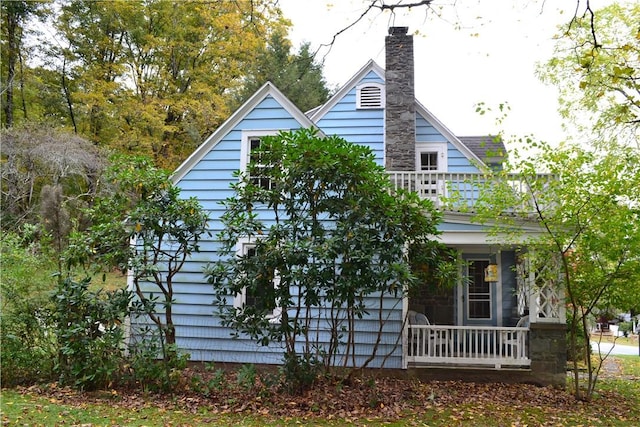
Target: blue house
pixel 498 318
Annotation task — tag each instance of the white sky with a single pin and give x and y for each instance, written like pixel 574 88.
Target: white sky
pixel 483 53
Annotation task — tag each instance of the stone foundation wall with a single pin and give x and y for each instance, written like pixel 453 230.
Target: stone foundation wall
pixel 548 352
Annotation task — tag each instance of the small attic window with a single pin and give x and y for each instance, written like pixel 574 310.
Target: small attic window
pixel 369 96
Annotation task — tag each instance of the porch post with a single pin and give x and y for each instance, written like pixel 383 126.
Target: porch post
pixel 548 352
pixel 546 295
pixel 547 328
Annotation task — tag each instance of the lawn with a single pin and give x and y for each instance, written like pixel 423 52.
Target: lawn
pixel 630 340
pixel 363 402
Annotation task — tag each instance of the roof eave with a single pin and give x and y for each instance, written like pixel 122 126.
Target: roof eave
pixel 267 89
pixel 318 112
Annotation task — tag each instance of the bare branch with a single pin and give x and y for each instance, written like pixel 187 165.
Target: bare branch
pixel 335 36
pixel 400 5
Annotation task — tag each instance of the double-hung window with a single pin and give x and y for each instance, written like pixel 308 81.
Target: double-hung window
pixel 250 153
pixel 259 296
pixel 431 159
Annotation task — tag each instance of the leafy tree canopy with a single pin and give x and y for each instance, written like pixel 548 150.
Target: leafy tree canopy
pixel 587 205
pixel 298 75
pixel 147 77
pixel 596 67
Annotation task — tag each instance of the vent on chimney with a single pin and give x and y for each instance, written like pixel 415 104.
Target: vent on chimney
pixel 369 96
pixel 398 31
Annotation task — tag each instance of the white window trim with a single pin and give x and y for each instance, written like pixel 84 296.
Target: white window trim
pixel 359 88
pixel 433 147
pixel 245 146
pixel 239 301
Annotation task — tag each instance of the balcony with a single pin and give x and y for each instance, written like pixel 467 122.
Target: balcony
pixel 460 192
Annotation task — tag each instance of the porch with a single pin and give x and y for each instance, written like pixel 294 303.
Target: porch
pixel 468 346
pixel 506 323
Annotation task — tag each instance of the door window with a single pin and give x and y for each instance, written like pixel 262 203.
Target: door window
pixel 478 291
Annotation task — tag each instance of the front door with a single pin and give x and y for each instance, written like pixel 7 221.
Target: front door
pixel 478 303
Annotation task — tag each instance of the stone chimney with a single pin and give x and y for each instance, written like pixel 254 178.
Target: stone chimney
pixel 400 111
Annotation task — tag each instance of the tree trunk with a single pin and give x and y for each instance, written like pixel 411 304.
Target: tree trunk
pixel 12 25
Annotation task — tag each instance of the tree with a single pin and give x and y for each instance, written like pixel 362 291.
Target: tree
pixel 596 67
pixel 334 251
pixel 155 77
pixel 39 157
pixel 141 225
pixel 588 208
pixel 15 15
pixel 297 75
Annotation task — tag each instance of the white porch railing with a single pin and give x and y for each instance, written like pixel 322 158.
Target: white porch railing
pixel 468 346
pixel 455 191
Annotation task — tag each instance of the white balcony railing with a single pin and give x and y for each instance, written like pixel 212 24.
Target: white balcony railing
pixel 458 191
pixel 468 346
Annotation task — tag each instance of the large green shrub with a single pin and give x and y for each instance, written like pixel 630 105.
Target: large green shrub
pixel 28 347
pixel 90 333
pixel 332 250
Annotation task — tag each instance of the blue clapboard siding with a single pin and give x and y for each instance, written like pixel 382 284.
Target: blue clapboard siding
pixel 425 132
pixel 364 126
pixel 198 327
pixel 456 161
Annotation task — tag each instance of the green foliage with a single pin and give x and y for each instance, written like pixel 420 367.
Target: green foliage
pixel 586 212
pixel 147 368
pixel 15 15
pixel 28 348
pixel 336 246
pixel 576 339
pixel 299 372
pixel 147 78
pixel 626 328
pixel 596 66
pixel 90 333
pixel 217 383
pixel 142 205
pixel 298 76
pixel 247 376
pixel 434 265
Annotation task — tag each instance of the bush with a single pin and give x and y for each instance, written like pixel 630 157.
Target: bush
pixel 89 333
pixel 299 372
pixel 28 350
pixel 626 328
pixel 26 337
pixel 148 366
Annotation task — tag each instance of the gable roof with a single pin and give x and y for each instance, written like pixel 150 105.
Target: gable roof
pixel 317 113
pixel 474 151
pixel 490 149
pixel 268 89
